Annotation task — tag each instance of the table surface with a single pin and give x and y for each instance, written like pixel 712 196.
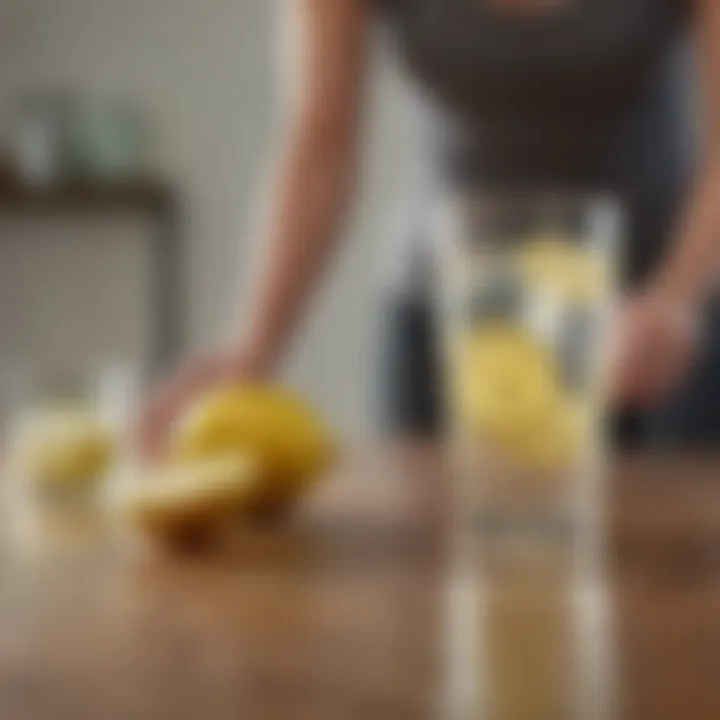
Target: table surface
pixel 338 615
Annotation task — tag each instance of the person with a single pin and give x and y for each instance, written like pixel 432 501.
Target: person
pixel 567 92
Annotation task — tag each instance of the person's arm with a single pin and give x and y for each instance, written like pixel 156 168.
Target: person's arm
pixel 692 268
pixel 659 329
pixel 314 181
pixel 317 169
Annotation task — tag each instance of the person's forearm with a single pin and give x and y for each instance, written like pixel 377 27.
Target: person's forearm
pixel 690 271
pixel 313 186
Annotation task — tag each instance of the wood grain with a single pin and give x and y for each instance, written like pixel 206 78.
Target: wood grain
pixel 339 615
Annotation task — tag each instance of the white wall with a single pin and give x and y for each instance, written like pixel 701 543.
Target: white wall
pixel 205 71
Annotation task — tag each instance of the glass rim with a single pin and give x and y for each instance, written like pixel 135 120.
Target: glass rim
pixel 547 196
pixel 602 212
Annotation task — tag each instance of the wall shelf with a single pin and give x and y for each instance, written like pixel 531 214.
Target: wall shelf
pixel 149 197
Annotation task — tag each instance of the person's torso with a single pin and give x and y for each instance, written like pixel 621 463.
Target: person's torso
pixel 590 93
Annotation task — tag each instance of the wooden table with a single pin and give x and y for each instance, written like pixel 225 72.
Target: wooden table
pixel 339 616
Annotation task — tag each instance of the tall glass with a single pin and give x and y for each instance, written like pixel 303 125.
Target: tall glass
pixel 527 288
pixel 524 646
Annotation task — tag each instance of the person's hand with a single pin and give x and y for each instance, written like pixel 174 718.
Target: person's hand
pixel 189 382
pixel 654 341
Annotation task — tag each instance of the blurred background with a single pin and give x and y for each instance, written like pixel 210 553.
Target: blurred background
pixel 135 138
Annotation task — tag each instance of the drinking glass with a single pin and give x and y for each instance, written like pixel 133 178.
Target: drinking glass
pixel 523 646
pixel 527 287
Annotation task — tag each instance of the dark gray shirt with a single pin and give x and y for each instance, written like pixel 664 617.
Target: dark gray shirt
pixel 594 94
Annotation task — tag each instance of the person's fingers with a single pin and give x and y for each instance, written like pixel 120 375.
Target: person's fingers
pixel 638 371
pixel 655 372
pixel 622 377
pixel 149 429
pixel 652 347
pixel 631 386
pixel 178 392
pixel 671 370
pixel 167 402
